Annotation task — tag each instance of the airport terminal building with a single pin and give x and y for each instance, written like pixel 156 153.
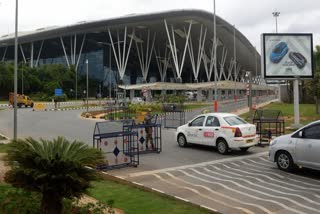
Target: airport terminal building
pixel 165 47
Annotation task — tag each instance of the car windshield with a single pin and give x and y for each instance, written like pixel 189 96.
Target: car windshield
pixel 233 120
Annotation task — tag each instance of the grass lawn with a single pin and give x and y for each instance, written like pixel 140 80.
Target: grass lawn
pixel 3 147
pixel 130 199
pixel 307 112
pixel 191 106
pixel 133 200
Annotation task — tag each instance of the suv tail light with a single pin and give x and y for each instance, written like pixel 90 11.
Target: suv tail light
pixel 237 133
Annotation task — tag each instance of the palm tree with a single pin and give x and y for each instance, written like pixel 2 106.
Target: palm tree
pixel 57 169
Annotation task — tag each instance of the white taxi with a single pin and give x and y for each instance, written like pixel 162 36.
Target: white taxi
pixel 222 130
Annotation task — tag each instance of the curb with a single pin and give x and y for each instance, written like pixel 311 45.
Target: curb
pixel 68 109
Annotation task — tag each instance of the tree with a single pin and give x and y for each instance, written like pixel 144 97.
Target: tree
pixel 57 169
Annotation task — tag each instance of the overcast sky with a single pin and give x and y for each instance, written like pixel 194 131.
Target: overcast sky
pixel 251 17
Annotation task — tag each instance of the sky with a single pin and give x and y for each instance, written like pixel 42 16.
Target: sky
pixel 251 17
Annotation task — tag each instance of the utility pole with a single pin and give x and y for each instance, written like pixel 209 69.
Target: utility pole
pixel 215 57
pixel 15 75
pixel 87 86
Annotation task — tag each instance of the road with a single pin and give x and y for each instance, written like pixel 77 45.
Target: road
pixel 238 185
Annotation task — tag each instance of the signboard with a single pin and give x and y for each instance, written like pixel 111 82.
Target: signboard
pixel 287 56
pixel 58 92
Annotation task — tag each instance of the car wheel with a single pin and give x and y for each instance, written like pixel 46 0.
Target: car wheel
pixel 222 146
pixel 182 141
pixel 284 161
pixel 244 149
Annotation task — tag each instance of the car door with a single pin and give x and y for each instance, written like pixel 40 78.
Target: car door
pixel 308 147
pixel 194 130
pixel 211 130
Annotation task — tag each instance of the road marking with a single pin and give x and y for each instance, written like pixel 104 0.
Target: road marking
pixel 195 165
pixel 270 178
pixel 139 184
pixel 259 192
pixel 269 183
pixel 221 195
pixel 226 187
pixel 157 190
pixel 297 176
pixel 208 208
pixel 272 190
pixel 183 199
pixel 240 192
pixel 194 191
pixel 267 169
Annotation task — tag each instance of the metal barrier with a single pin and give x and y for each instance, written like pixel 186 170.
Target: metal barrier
pixel 269 123
pixel 120 145
pixel 149 135
pixel 116 112
pixel 174 115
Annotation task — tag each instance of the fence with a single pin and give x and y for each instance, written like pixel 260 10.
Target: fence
pixel 118 143
pixel 174 115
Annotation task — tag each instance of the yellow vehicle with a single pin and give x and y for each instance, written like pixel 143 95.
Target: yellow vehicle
pixel 22 100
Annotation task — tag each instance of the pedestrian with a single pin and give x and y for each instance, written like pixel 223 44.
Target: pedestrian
pixel 148 129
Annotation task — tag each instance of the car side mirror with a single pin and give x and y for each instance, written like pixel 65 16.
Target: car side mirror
pixel 189 124
pixel 301 134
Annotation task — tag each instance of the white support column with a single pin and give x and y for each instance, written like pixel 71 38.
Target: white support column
pixel 38 58
pixel 145 59
pixel 80 52
pixel 173 48
pixel 231 64
pixel 31 55
pixel 4 54
pixel 74 49
pixel 196 64
pixel 162 63
pixel 121 58
pixel 222 62
pixel 71 51
pixel 22 52
pixel 64 51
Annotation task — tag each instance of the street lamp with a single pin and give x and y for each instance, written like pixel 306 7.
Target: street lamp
pixel 15 74
pixel 87 85
pixel 215 58
pixel 275 15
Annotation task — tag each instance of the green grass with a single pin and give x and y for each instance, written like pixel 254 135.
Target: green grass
pixel 133 200
pixel 307 112
pixel 3 147
pixel 191 106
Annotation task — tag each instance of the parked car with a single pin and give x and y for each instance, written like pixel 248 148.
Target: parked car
pixel 278 52
pixel 301 148
pixel 222 130
pixel 298 59
pixel 137 100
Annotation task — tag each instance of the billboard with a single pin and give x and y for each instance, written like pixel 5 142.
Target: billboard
pixel 287 56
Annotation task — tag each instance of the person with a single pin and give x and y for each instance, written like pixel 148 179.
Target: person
pixel 148 129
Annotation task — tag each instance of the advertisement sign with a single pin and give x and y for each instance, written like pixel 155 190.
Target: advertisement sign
pixel 287 56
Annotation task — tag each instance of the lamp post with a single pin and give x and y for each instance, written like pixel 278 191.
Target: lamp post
pixel 275 15
pixel 15 74
pixel 215 58
pixel 87 85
